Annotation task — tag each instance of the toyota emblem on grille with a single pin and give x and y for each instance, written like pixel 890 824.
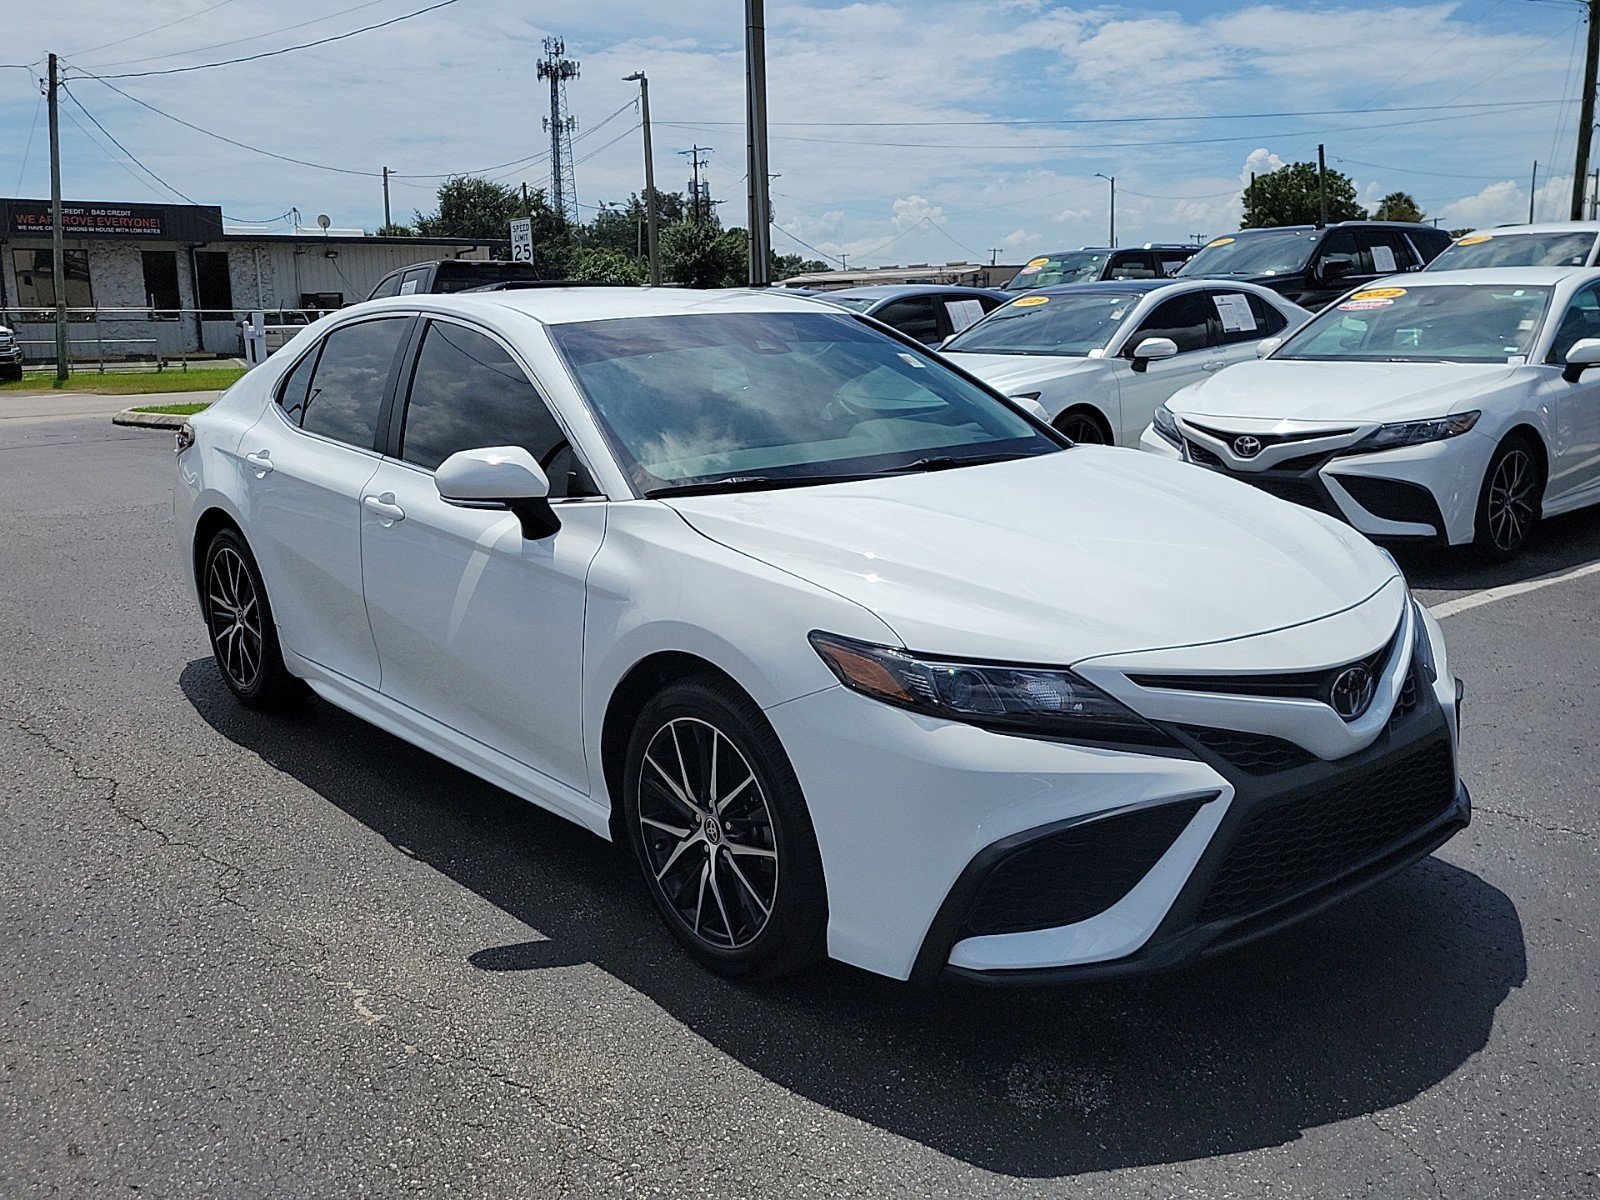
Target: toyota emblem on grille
pixel 1247 446
pixel 1352 692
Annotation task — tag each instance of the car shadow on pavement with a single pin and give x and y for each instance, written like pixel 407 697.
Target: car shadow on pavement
pixel 1559 544
pixel 1357 1010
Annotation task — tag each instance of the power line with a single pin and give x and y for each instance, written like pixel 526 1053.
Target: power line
pixel 125 150
pixel 338 37
pixel 254 37
pixel 133 37
pixel 90 138
pixel 28 149
pixel 808 245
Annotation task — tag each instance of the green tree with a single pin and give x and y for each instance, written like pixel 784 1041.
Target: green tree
pixel 1288 196
pixel 786 266
pixel 395 231
pixel 1462 232
pixel 702 255
pixel 599 264
pixel 1399 206
pixel 470 207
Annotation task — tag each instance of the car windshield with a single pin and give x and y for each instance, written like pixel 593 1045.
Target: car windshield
pixel 1062 323
pixel 702 402
pixel 1268 252
pixel 1569 249
pixel 1075 266
pixel 854 303
pixel 1449 323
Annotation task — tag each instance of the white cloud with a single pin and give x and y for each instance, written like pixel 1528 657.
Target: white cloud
pixel 1072 214
pixel 913 210
pixel 1019 237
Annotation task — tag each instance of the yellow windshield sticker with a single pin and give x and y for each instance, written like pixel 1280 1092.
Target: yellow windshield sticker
pixel 1037 262
pixel 1030 301
pixel 1220 242
pixel 1379 294
pixel 1474 239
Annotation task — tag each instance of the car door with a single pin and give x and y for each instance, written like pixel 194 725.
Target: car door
pixel 1575 407
pixel 1188 319
pixel 477 626
pixel 309 458
pixel 1244 320
pixel 1338 265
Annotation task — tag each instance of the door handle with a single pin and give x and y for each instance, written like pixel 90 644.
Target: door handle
pixel 1212 366
pixel 261 460
pixel 384 508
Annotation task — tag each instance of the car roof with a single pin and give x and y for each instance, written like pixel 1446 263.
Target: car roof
pixel 560 306
pixel 1525 276
pixel 1409 226
pixel 885 291
pixel 1113 286
pixel 1543 227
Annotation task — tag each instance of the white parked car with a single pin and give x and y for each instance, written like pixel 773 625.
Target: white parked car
pixel 1550 244
pixel 1099 357
pixel 10 355
pixel 1456 406
pixel 857 657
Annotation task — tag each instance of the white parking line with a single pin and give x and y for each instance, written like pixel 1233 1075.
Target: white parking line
pixel 1462 603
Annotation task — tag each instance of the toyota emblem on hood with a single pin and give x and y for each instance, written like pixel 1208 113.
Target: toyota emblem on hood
pixel 1247 446
pixel 1352 692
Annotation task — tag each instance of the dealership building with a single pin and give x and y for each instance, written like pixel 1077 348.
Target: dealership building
pixel 147 280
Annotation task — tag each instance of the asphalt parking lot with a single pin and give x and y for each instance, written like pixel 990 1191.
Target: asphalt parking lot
pixel 291 956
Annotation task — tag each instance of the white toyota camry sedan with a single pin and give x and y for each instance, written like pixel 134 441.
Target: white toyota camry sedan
pixel 857 657
pixel 1099 357
pixel 1455 407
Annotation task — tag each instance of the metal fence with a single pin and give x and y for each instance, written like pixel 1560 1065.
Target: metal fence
pixel 143 338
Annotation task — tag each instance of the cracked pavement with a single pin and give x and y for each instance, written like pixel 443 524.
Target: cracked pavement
pixel 290 956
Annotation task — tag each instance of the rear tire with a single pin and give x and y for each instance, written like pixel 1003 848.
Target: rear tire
pixel 720 830
pixel 244 640
pixel 1084 427
pixel 1510 499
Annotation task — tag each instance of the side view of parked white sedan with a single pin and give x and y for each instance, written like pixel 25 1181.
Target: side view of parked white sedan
pixel 772 594
pixel 1099 357
pixel 1454 406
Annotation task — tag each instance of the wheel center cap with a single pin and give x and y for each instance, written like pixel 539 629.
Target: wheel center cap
pixel 713 831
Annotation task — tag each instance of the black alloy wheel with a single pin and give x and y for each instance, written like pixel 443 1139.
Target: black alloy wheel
pixel 244 641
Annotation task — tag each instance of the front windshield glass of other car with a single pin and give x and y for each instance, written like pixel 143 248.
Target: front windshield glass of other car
pixel 1515 250
pixel 752 400
pixel 1076 266
pixel 1064 323
pixel 1451 323
pixel 1268 252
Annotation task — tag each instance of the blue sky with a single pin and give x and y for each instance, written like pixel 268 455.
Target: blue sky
pixel 901 132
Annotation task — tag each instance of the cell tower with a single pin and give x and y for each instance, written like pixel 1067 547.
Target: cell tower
pixel 558 69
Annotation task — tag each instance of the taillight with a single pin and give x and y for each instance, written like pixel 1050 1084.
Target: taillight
pixel 184 438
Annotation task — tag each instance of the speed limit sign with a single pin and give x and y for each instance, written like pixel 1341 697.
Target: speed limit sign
pixel 522 240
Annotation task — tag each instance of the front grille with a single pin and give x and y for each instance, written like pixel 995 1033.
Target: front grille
pixel 1299 685
pixel 1076 873
pixel 1306 462
pixel 1253 753
pixel 1297 842
pixel 1199 454
pixel 1302 491
pixel 1273 439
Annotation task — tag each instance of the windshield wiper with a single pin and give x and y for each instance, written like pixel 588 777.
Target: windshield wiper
pixel 943 462
pixel 748 483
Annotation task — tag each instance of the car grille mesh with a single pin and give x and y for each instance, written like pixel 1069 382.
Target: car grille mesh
pixel 1076 873
pixel 1294 844
pixel 1254 753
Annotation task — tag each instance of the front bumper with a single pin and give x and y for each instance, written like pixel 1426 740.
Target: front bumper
pixel 1427 492
pixel 950 849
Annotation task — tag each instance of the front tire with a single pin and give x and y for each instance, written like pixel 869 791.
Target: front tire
pixel 1510 500
pixel 1083 427
pixel 720 829
pixel 244 640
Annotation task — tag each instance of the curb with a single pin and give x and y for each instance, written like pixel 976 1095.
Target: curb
pixel 129 416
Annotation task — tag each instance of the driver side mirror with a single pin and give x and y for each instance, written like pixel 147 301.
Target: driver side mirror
pixel 1152 349
pixel 1334 268
pixel 1585 353
pixel 500 477
pixel 1267 345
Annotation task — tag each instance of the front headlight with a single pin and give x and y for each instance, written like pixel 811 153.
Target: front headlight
pixel 1167 425
pixel 1412 433
pixel 1037 701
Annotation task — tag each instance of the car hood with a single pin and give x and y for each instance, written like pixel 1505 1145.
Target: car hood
pixel 1277 390
pixel 1058 558
pixel 1012 373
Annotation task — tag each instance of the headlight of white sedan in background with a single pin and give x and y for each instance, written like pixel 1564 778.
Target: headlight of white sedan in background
pixel 1412 433
pixel 1037 701
pixel 1166 424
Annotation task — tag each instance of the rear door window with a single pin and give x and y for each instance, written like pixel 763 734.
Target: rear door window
pixel 1186 319
pixel 1388 251
pixel 914 316
pixel 351 379
pixel 1245 317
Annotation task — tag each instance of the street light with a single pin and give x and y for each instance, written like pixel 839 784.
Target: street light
pixel 649 176
pixel 1112 180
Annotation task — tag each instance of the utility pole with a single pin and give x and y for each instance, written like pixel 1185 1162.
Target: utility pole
pixel 58 252
pixel 759 189
pixel 1580 173
pixel 1112 180
pixel 386 221
pixel 1594 195
pixel 1533 190
pixel 696 196
pixel 1322 187
pixel 994 255
pixel 557 68
pixel 649 177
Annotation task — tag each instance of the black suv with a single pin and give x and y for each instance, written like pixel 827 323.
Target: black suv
pixel 450 275
pixel 1314 266
pixel 1092 263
